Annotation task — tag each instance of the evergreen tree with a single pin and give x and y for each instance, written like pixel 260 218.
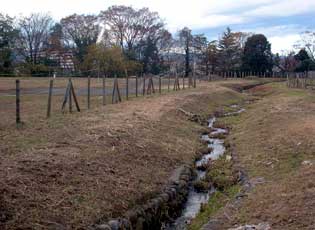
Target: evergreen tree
pixel 257 55
pixel 305 63
pixel 229 50
pixel 8 36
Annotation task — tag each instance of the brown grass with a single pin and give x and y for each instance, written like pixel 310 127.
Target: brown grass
pixel 274 144
pixel 77 169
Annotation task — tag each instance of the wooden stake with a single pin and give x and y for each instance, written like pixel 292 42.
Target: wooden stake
pixel 104 91
pixel 116 93
pixel 127 85
pixel 69 94
pixel 143 92
pixel 113 93
pixel 70 98
pixel 51 83
pixel 136 85
pixel 160 84
pixel 75 97
pixel 66 96
pixel 150 88
pixel 17 97
pixel 88 92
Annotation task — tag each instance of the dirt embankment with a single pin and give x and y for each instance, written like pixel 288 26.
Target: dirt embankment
pixel 273 143
pixel 75 170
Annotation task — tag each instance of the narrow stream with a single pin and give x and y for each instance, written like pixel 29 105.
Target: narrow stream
pixel 196 199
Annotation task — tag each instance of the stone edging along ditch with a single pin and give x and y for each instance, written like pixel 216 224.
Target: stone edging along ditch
pixel 158 210
pixel 162 209
pixel 168 204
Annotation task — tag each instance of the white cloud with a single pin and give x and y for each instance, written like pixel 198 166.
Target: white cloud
pixel 281 37
pixel 57 8
pixel 278 30
pixel 279 44
pixel 282 8
pixel 196 14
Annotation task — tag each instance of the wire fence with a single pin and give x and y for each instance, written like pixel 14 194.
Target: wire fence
pixel 302 80
pixel 29 99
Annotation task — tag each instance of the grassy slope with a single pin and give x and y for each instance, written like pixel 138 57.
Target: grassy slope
pixel 72 170
pixel 272 139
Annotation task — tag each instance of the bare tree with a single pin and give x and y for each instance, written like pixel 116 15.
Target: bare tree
pixel 186 41
pixel 211 57
pixel 153 51
pixel 287 62
pixel 193 46
pixel 307 42
pixel 80 31
pixel 164 41
pixel 200 43
pixel 34 31
pixel 128 26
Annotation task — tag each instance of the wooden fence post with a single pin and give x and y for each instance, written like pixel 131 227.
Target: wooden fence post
pixel 70 97
pixel 169 82
pixel 160 84
pixel 89 92
pixel 143 91
pixel 127 85
pixel 74 96
pixel 116 93
pixel 183 81
pixel 104 91
pixel 17 97
pixel 51 83
pixel 136 85
pixel 114 97
pixel 68 90
pixel 150 88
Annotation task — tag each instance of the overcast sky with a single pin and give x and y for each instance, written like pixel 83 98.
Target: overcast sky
pixel 280 20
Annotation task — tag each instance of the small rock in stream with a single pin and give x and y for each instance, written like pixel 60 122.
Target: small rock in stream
pixel 261 226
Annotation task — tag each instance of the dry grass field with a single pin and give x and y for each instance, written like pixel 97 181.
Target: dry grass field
pixel 74 170
pixel 34 95
pixel 273 143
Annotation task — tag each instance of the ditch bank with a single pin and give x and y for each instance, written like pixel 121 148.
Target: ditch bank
pixel 179 202
pixel 159 210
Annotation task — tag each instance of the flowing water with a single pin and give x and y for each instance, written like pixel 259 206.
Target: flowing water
pixel 196 199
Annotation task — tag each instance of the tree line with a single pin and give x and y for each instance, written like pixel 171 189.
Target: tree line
pixel 122 39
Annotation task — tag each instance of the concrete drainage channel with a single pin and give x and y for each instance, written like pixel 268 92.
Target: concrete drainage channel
pixel 179 203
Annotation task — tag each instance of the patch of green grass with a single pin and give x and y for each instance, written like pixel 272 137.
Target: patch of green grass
pixel 296 93
pixel 221 174
pixel 216 202
pixel 26 142
pixel 291 162
pixel 228 121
